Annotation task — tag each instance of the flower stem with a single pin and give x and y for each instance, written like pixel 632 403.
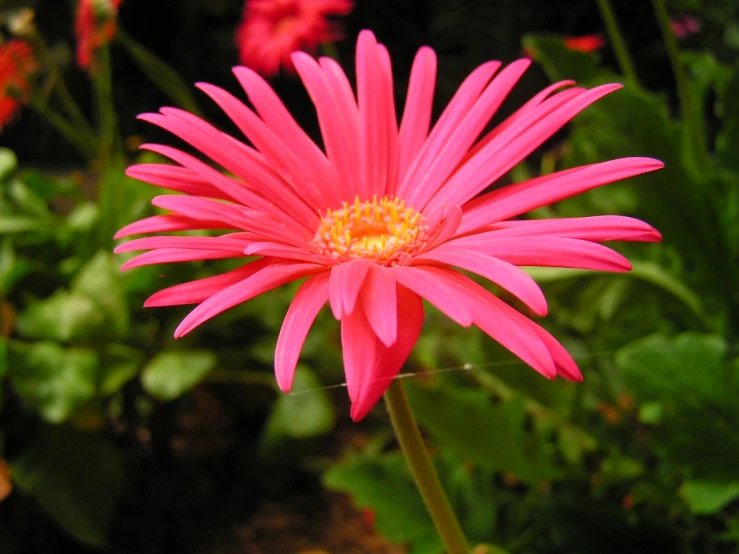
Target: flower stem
pixel 617 40
pixel 419 462
pixel 72 133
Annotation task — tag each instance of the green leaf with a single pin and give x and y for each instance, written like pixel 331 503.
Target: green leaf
pixel 77 478
pixel 171 374
pixel 384 486
pixel 561 63
pixel 307 412
pixel 696 435
pixel 53 380
pixel 11 267
pixel 505 445
pixel 94 307
pixel 8 163
pixel 118 365
pixel 727 141
pixel 709 497
pixel 17 224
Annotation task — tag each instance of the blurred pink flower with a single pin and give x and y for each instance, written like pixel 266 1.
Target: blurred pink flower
pixel 17 63
pixel 95 26
pixel 585 43
pixel 271 30
pixel 685 25
pixel 379 220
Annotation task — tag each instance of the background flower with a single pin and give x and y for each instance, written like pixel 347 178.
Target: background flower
pixel 272 29
pixel 17 63
pixel 95 25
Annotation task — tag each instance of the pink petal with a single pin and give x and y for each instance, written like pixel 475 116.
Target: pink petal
pixel 508 276
pixel 277 154
pixel 381 303
pixel 502 323
pixel 339 127
pixel 425 282
pixel 502 154
pixel 224 244
pixel 599 228
pixel 448 226
pixel 344 286
pixel 388 361
pixel 520 198
pixel 175 178
pixel 268 278
pixel 176 255
pixel 566 366
pixel 278 118
pixel 549 252
pixel 417 111
pixel 462 137
pixel 465 97
pixel 278 250
pixel 167 223
pixel 204 209
pixel 303 310
pixel 197 291
pixel 359 347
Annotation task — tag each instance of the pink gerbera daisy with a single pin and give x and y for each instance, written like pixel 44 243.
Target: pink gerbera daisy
pixel 382 217
pixel 272 30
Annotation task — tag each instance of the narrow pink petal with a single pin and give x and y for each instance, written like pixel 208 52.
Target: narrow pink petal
pixel 381 303
pixel 465 97
pixel 502 323
pixel 167 223
pixel 599 228
pixel 389 361
pixel 506 275
pixel 373 114
pixel 227 185
pixel 278 250
pixel 302 191
pixel 345 284
pixel 391 121
pixel 425 282
pixel 549 252
pixel 462 137
pixel 197 291
pixel 359 346
pixel 175 178
pixel 268 278
pixel 520 198
pixel 278 118
pixel 304 308
pixel 566 366
pixel 176 255
pixel 448 226
pixel 498 157
pixel 224 243
pixel 414 127
pixel 532 111
pixel 205 209
pixel 339 127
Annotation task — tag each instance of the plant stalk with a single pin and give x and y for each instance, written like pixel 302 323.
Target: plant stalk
pixel 617 40
pixel 422 469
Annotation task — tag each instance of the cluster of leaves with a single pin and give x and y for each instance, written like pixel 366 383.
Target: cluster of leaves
pixel 76 348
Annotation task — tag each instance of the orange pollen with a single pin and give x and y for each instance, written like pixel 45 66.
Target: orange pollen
pixel 383 230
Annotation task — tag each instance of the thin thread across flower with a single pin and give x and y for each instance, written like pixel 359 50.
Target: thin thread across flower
pixel 383 230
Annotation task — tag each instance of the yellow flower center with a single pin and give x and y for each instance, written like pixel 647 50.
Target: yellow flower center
pixel 383 230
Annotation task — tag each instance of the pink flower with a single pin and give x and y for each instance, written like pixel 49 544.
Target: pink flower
pixel 379 221
pixel 95 26
pixel 586 43
pixel 685 25
pixel 272 30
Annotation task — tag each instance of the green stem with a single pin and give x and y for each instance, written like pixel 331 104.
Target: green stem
pixel 82 143
pixel 617 40
pixel 419 462
pixel 692 117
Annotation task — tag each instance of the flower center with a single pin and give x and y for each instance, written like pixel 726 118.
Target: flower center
pixel 383 230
